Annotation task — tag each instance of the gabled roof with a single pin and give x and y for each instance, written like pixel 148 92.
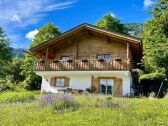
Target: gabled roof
pixel 90 27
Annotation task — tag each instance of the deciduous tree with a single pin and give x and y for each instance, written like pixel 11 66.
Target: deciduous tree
pixel 45 33
pixel 5 54
pixel 155 39
pixel 111 22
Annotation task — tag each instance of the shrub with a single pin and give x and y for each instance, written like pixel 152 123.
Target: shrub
pixel 19 88
pixel 63 106
pixel 16 97
pixel 6 86
pixel 152 82
pixel 59 103
pixel 157 77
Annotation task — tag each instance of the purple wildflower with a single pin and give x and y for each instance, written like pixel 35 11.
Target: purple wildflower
pixel 52 98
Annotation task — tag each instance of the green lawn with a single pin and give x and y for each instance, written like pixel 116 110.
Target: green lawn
pixel 92 111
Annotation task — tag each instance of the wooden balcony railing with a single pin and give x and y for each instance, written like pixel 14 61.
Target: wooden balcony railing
pixel 84 65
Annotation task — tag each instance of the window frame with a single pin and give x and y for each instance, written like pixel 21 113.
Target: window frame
pixel 65 57
pixel 60 78
pixel 106 85
pixel 104 55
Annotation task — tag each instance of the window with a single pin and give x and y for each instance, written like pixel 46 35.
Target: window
pixel 60 82
pixel 106 86
pixel 65 58
pixel 105 56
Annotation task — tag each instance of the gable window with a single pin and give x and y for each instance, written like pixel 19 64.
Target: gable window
pixel 104 56
pixel 65 58
pixel 60 82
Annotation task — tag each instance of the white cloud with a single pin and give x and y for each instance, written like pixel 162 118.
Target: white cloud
pixel 112 14
pixel 26 12
pixel 148 3
pixel 16 18
pixel 59 6
pixel 30 35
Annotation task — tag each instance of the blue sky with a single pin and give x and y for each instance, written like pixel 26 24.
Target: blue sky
pixel 21 19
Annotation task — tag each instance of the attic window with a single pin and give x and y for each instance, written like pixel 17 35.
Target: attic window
pixel 104 56
pixel 65 58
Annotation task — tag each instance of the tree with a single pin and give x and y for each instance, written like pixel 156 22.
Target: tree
pixel 111 22
pixel 5 54
pixel 155 48
pixel 155 39
pixel 16 76
pixel 45 33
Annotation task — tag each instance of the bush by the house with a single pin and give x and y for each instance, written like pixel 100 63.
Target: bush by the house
pixel 156 77
pixel 152 83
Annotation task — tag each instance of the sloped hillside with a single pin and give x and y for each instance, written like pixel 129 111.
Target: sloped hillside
pixel 18 52
pixel 134 29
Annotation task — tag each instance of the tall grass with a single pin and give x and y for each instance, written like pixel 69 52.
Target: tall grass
pixel 16 97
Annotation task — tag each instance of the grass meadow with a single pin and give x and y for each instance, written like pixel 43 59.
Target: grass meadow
pixel 31 109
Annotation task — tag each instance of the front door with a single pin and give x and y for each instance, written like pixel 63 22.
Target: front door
pixel 106 86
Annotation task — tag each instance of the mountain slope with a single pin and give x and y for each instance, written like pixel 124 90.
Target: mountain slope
pixel 134 29
pixel 18 52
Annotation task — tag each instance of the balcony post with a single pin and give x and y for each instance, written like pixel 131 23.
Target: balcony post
pixel 77 49
pixel 128 50
pixel 46 57
pixel 128 56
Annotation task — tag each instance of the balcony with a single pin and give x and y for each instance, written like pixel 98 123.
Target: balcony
pixel 84 65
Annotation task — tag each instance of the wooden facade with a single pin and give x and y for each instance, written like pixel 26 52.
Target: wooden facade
pixel 89 47
pixel 86 42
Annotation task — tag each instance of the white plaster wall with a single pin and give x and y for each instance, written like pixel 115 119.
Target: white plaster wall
pixel 80 82
pixel 82 79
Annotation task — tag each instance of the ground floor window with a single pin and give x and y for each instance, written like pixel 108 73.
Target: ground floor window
pixel 60 82
pixel 106 86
